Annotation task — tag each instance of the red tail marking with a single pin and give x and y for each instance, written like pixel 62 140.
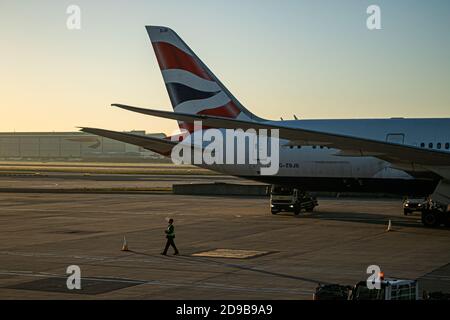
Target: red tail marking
pixel 170 57
pixel 227 111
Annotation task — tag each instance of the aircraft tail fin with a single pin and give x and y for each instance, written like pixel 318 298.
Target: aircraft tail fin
pixel 191 86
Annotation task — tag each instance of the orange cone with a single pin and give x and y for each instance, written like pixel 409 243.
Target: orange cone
pixel 389 228
pixel 125 244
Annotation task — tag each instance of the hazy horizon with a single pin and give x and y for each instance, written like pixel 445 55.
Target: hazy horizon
pixel 314 59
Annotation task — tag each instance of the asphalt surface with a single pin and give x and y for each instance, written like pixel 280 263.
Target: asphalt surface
pixel 61 180
pixel 42 234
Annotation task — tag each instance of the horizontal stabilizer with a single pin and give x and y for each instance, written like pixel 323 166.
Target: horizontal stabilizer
pixel 158 145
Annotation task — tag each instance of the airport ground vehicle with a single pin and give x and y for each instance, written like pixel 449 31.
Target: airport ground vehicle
pixel 411 205
pixel 290 200
pixel 391 289
pixel 331 292
pixel 439 295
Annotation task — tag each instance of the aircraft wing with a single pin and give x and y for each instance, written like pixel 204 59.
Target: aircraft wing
pixel 158 145
pixel 403 156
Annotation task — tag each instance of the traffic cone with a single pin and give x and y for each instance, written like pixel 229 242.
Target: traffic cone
pixel 389 228
pixel 125 244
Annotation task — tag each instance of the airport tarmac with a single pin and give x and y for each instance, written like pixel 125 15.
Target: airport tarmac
pixel 42 234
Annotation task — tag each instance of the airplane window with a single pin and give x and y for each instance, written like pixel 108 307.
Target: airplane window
pixel 430 145
pixel 422 145
pixel 439 145
pixel 447 146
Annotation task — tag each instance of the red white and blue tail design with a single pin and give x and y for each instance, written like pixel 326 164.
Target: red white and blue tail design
pixel 191 86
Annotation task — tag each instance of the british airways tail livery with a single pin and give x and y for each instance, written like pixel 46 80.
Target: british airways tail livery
pixel 191 86
pixel 400 156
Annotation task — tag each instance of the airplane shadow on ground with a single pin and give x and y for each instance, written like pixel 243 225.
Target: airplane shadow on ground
pixel 249 268
pixel 367 218
pixel 208 261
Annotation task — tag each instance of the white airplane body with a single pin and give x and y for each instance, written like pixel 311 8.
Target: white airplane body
pixel 397 155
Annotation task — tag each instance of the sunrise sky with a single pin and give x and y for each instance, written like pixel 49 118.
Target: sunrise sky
pixel 315 59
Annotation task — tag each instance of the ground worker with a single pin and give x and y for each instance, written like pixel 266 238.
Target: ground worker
pixel 170 235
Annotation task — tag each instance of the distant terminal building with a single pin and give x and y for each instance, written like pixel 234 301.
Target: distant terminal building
pixel 70 146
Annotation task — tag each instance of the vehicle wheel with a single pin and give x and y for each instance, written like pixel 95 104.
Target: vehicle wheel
pixel 310 209
pixel 296 211
pixel 406 212
pixel 430 218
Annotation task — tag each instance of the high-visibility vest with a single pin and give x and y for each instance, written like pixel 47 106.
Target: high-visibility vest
pixel 170 231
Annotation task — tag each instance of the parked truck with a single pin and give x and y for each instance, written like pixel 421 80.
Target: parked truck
pixel 290 200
